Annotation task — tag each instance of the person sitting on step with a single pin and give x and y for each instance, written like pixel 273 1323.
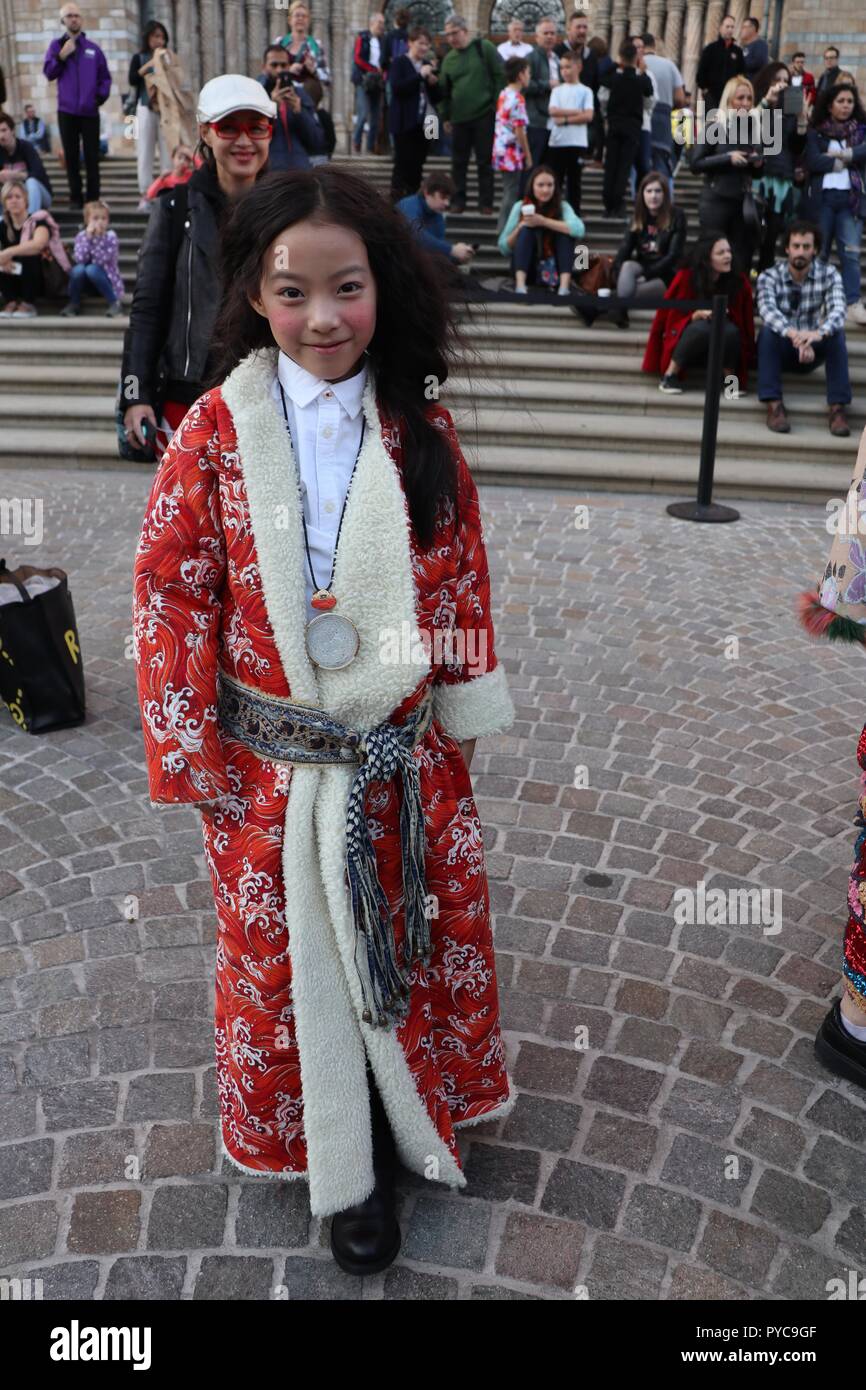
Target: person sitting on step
pixel 540 235
pixel 652 248
pixel 425 212
pixel 95 254
pixel 680 338
pixel 802 303
pixel 23 240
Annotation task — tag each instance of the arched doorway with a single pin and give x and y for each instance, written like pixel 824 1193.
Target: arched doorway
pixel 430 13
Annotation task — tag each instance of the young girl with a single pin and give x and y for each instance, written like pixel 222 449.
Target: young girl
pixel 183 162
pixel 95 254
pixel 540 234
pixel 652 248
pixel 315 660
pixel 511 153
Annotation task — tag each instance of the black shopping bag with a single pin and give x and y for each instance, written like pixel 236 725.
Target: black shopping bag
pixel 41 670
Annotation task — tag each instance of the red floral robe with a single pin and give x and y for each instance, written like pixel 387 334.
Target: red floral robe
pixel 219 581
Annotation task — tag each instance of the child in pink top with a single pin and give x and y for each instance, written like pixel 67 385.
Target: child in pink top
pixel 182 164
pixel 511 154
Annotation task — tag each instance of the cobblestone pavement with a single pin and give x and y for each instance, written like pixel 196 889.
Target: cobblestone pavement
pixel 693 1149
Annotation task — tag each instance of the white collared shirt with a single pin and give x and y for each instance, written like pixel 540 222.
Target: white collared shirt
pixel 325 419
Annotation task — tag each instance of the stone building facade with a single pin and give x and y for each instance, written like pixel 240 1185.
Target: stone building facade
pixel 214 36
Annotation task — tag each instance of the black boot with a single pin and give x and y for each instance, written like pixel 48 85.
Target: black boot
pixel 366 1238
pixel 839 1051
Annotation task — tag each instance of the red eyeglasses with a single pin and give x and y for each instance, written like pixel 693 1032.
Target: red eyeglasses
pixel 230 127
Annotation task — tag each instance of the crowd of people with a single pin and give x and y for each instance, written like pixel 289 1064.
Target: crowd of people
pixel 781 158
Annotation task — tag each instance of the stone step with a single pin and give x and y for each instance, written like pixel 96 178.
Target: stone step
pixel 674 433
pixel 608 469
pixel 89 411
pixel 585 464
pixel 538 402
pixel 637 396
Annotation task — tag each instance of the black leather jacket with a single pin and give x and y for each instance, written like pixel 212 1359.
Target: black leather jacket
pixel 176 297
pixel 726 180
pixel 661 264
pixel 783 164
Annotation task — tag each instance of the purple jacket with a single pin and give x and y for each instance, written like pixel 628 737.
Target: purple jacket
pixel 83 79
pixel 101 251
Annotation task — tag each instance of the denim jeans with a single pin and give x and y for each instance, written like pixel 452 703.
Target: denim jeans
pixel 94 277
pixel 367 106
pixel 777 354
pixel 661 135
pixel 837 220
pixel 37 195
pixel 526 249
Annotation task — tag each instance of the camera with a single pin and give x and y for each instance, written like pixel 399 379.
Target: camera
pixel 282 80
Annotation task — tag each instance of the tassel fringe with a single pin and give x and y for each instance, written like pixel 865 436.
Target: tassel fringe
pixel 822 622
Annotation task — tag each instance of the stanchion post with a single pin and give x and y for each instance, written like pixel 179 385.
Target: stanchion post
pixel 705 509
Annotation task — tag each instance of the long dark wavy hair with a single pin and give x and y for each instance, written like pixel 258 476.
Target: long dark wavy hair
pixel 415 338
pixel 699 261
pixel 151 28
pixel 766 77
pixel 825 99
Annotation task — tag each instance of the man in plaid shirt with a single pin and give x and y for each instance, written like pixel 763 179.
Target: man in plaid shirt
pixel 802 303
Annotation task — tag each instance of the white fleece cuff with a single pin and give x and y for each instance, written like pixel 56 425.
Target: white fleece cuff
pixel 476 707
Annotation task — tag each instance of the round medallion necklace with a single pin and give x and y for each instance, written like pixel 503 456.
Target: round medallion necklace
pixel 331 639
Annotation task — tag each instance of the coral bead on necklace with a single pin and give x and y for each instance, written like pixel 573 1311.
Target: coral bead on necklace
pixel 323 599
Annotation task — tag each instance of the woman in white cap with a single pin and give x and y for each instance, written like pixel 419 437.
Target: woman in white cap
pixel 177 290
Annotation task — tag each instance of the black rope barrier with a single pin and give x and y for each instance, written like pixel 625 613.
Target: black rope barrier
pixel 592 306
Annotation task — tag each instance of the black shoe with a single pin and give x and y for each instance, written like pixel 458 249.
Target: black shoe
pixel 619 317
pixel 365 1238
pixel 839 1051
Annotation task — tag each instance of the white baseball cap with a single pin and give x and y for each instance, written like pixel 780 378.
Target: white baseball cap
pixel 233 92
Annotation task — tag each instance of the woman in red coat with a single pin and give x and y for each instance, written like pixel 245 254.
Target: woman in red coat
pixel 680 339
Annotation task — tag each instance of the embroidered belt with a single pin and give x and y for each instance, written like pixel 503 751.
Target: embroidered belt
pixel 276 728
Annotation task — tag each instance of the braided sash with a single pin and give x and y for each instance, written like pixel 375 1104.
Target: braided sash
pixel 279 730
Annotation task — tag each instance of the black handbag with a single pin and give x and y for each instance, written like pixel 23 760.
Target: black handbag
pixel 328 130
pixel 372 83
pixel 41 669
pixel 55 280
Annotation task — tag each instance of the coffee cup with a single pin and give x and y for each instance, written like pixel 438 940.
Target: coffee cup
pixel 527 210
pixel 603 294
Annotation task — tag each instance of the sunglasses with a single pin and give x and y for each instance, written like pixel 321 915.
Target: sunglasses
pixel 230 128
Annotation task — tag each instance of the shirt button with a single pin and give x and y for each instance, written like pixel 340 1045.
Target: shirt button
pixel 328 395
pixel 327 432
pixel 329 506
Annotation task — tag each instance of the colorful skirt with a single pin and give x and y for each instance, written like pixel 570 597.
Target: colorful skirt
pixel 854 963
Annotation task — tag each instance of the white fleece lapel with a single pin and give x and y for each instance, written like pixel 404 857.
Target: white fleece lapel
pixel 373 578
pixel 273 494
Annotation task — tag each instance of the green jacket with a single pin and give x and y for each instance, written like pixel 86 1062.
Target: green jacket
pixel 537 92
pixel 470 80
